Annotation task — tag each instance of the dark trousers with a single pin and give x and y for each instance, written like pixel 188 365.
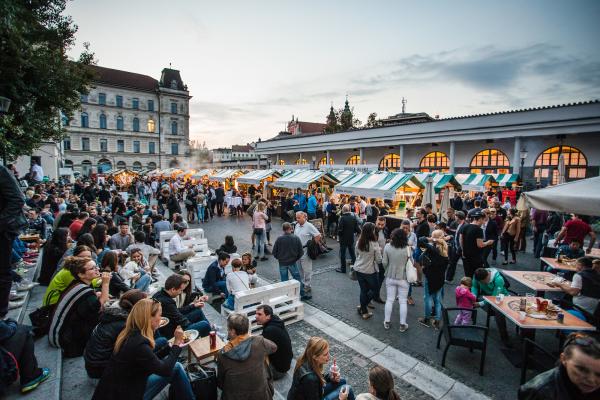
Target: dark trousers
pixel 5 273
pixel 368 285
pixel 343 248
pixel 500 321
pixel 538 235
pixel 470 265
pixel 219 208
pixel 451 270
pixel 380 280
pixel 22 347
pixel 486 254
pixel 508 243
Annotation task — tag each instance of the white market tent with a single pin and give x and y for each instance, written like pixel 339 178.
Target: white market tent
pixel 579 197
pixel 222 175
pixel 506 180
pixel 257 176
pixel 302 178
pixel 201 174
pixel 342 174
pixel 381 184
pixel 476 182
pixel 440 181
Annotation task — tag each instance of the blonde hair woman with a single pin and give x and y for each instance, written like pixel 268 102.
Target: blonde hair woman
pixel 135 371
pixel 437 237
pixel 309 382
pixel 259 224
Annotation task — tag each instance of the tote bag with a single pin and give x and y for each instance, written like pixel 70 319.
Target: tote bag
pixel 411 271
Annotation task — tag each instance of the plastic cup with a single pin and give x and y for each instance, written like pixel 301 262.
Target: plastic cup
pixel 522 315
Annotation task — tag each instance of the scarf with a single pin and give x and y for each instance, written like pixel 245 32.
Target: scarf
pixel 234 342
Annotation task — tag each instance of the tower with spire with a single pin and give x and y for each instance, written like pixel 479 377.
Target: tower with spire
pixel 346 117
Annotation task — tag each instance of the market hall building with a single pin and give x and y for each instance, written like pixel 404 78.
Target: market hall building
pixel 529 142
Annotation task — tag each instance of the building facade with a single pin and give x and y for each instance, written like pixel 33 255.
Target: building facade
pixel 129 120
pixel 527 142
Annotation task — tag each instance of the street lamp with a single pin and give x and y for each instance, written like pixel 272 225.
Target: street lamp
pixel 523 157
pixel 314 162
pixel 4 106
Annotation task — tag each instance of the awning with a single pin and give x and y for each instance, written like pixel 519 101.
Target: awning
pixel 380 184
pixel 440 181
pixel 258 175
pixel 223 174
pixel 342 174
pixel 475 182
pixel 579 197
pixel 201 174
pixel 506 180
pixel 301 179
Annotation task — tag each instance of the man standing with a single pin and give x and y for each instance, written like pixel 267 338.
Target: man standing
pixel 306 231
pixel 274 330
pixel 538 223
pixel 299 201
pixel 178 252
pixel 220 199
pixel 347 227
pixel 472 244
pixel 287 250
pixel 214 280
pixel 382 238
pixel 311 206
pixel 122 239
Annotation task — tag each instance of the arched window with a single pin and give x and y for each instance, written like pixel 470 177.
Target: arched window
pixel 301 161
pixel 354 160
pixel 151 165
pixel 137 166
pixel 102 121
pixel 389 162
pixel 150 125
pixel 546 165
pixel 173 164
pixel 85 122
pixel 68 164
pixel 120 125
pixel 281 162
pixel 490 161
pixel 121 165
pixel 323 161
pixel 136 124
pixel 436 161
pixel 104 165
pixel 174 127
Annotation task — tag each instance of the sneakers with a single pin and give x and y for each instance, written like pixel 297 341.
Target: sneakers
pixel 24 264
pixel 386 325
pixel 25 285
pixel 435 324
pixel 14 296
pixel 371 305
pixel 341 271
pixel 424 321
pixel 367 315
pixel 15 304
pixel 28 387
pixel 403 327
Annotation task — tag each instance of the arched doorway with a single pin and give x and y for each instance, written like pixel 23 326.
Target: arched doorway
pixel 390 162
pixel 104 165
pixel 121 165
pixel 490 161
pixel 301 161
pixel 68 164
pixel 151 165
pixel 546 165
pixel 86 167
pixel 137 166
pixel 353 160
pixel 281 162
pixel 323 161
pixel 436 161
pixel 173 164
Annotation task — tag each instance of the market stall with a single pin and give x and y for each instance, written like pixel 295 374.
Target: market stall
pixel 228 177
pixel 306 179
pixel 260 178
pixel 201 176
pixel 342 174
pixel 475 182
pixel 123 177
pixel 506 180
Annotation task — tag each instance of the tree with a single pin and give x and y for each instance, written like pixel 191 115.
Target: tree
pixel 372 121
pixel 341 120
pixel 36 74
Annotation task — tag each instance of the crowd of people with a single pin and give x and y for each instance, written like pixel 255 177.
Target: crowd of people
pixel 103 301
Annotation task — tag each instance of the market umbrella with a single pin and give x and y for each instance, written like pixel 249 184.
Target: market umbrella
pixel 579 197
pixel 429 195
pixel 445 204
pixel 561 169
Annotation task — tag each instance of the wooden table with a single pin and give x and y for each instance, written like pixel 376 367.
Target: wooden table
pixel 537 281
pixel 571 322
pixel 570 266
pixel 201 350
pixel 594 253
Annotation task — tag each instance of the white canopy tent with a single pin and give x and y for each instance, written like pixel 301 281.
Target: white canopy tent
pixel 301 179
pixel 256 176
pixel 579 197
pixel 223 174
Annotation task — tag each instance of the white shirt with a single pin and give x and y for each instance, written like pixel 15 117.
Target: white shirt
pixel 587 303
pixel 129 270
pixel 176 245
pixel 306 232
pixel 147 251
pixel 37 173
pixel 237 281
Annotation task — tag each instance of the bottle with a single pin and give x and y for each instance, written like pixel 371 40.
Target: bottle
pixel 523 304
pixel 334 369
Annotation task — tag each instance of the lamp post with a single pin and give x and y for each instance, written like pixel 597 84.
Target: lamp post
pixel 314 162
pixel 4 106
pixel 523 156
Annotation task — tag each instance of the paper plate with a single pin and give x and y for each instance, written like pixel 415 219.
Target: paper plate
pixel 193 335
pixel 163 321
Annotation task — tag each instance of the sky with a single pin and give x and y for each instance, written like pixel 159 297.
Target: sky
pixel 251 65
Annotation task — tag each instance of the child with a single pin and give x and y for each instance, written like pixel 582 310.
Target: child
pixel 249 265
pixel 464 299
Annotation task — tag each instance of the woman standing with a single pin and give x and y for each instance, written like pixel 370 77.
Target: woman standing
pixel 135 371
pixel 396 255
pixel 368 258
pixel 381 385
pixel 259 222
pixel 510 236
pixel 309 382
pixel 332 217
pixel 434 259
pixel 78 309
pixel 53 252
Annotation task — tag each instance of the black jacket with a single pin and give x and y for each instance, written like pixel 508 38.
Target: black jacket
pixel 553 385
pixel 128 370
pixel 214 274
pixel 12 218
pixel 275 331
pixel 287 249
pixel 434 268
pixel 170 310
pixel 306 385
pixel 226 249
pixel 491 230
pixel 422 229
pixel 219 194
pixel 347 227
pixel 117 286
pixel 100 347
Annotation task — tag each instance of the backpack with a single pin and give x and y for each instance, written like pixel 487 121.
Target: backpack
pixel 9 369
pixel 312 249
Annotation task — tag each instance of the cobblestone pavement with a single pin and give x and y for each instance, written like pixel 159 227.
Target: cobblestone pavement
pixel 337 295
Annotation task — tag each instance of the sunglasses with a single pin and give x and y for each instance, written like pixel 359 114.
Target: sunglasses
pixel 582 340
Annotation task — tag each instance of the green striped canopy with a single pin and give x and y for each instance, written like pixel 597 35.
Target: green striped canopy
pixel 380 184
pixel 506 180
pixel 440 181
pixel 302 178
pixel 474 181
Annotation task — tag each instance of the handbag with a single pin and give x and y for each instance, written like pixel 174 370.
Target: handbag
pixel 411 271
pixel 203 381
pixel 353 274
pixel 41 318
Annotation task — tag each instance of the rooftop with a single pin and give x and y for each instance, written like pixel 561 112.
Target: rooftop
pixel 116 77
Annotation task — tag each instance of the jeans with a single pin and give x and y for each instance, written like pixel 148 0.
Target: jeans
pixel 260 244
pixel 180 385
pixel 437 301
pixel 508 243
pixel 306 265
pixel 538 245
pixel 198 322
pixel 293 269
pixel 396 288
pixel 200 212
pixel 195 315
pixel 368 285
pixel 143 283
pixel 350 248
pixel 21 346
pixel 331 391
pixel 222 287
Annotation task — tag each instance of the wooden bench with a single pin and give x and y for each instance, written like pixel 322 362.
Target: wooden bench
pixel 283 297
pixel 165 236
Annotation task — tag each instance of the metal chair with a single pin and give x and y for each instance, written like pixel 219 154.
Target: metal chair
pixel 469 336
pixel 530 361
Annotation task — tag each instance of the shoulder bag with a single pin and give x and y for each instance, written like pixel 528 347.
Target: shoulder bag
pixel 410 270
pixel 203 381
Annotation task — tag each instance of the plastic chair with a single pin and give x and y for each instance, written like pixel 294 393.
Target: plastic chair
pixel 469 336
pixel 530 361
